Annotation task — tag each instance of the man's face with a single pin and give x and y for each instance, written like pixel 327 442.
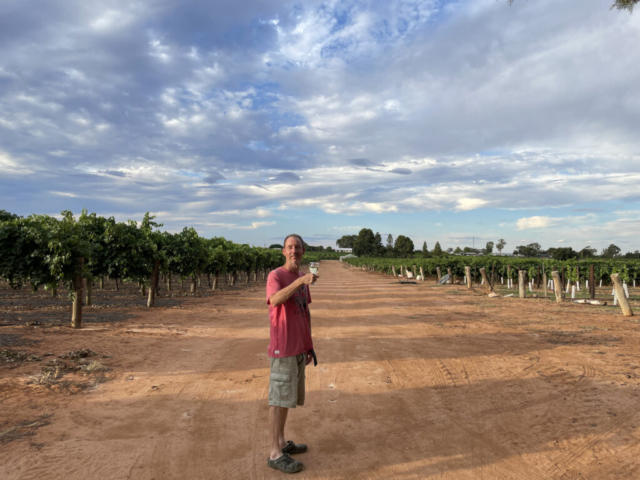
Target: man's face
pixel 292 250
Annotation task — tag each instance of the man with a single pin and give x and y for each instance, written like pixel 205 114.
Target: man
pixel 290 350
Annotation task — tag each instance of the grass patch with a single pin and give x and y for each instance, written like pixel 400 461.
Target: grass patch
pixel 23 429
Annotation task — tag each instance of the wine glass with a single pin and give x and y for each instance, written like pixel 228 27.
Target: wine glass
pixel 313 267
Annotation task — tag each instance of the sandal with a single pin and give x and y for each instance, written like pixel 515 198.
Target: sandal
pixel 292 448
pixel 285 464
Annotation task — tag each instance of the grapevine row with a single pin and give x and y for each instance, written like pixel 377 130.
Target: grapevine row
pixel 43 251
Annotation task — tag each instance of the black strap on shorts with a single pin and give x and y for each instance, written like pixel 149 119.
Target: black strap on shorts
pixel 315 359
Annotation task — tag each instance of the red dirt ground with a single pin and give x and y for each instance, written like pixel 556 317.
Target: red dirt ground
pixel 414 381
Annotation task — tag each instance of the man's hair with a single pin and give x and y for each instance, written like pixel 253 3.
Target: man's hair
pixel 293 235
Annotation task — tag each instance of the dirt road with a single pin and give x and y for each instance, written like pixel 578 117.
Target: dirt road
pixel 414 381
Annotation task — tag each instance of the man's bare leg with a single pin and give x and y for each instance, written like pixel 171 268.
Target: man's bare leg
pixel 283 442
pixel 277 419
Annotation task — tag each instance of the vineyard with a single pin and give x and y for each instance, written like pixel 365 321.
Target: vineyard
pixel 507 268
pixel 47 253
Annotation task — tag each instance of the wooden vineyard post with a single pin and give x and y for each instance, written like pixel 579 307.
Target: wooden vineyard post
pixel 487 283
pixel 169 282
pixel 563 278
pixel 493 274
pixel 88 293
pixel 143 289
pixel 101 283
pixel 76 312
pixel 523 291
pixel 467 271
pixel 393 271
pixel 153 288
pixel 450 275
pixel 622 297
pixel 415 274
pixel 557 285
pixel 592 282
pixel 422 274
pixel 215 281
pixel 544 280
pixel 439 274
pixel 538 278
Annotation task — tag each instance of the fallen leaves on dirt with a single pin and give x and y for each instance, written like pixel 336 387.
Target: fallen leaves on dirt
pixel 87 374
pixel 12 356
pixel 26 428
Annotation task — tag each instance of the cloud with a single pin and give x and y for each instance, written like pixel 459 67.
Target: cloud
pixel 347 228
pixel 363 162
pixel 285 177
pixel 63 194
pixel 401 171
pixel 465 204
pixel 545 221
pixel 235 226
pixel 537 222
pixel 114 173
pixel 214 177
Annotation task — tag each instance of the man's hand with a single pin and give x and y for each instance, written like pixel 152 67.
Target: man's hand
pixel 283 295
pixel 309 279
pixel 309 358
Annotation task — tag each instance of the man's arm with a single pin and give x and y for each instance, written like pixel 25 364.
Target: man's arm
pixel 285 294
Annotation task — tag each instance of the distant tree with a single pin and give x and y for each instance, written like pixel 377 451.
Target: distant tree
pixel 530 250
pixel 404 245
pixel 562 254
pixel 611 251
pixel 425 251
pixel 379 248
pixel 450 250
pixel 635 254
pixel 6 216
pixel 489 248
pixel 588 252
pixel 457 250
pixel 437 250
pixel 364 244
pixel 329 249
pixel 619 4
pixel 346 241
pixel 390 242
pixel 623 5
pixel 501 244
pixel 276 245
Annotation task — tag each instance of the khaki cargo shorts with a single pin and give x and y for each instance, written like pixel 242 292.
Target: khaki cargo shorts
pixel 286 382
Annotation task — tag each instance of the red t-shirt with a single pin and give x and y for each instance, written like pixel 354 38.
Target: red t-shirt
pixel 290 327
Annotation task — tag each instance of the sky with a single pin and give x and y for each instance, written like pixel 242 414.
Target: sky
pixel 461 122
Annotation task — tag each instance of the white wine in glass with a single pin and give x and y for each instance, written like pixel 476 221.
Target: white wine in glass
pixel 313 267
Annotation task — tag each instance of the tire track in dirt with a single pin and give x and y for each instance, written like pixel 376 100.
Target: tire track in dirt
pixel 561 465
pixel 499 374
pixel 514 467
pixel 582 382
